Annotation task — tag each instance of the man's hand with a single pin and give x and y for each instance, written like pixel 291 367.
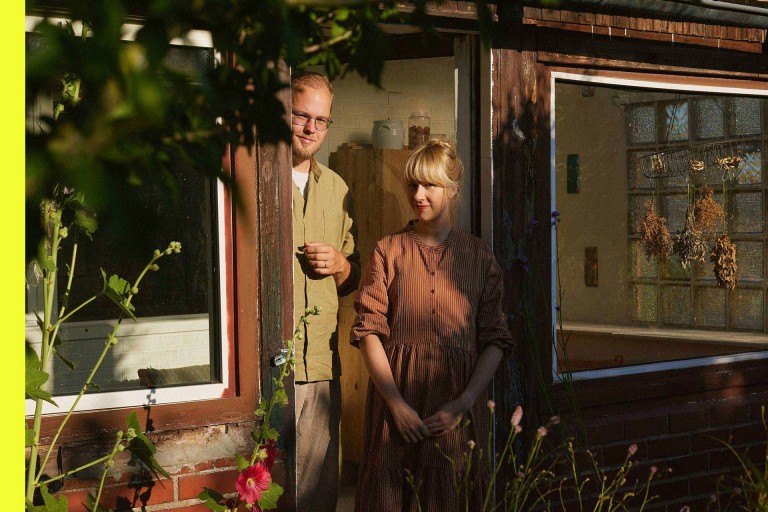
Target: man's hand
pixel 324 259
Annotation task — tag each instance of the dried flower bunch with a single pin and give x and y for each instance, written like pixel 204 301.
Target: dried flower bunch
pixel 654 234
pixel 724 257
pixel 696 166
pixel 710 216
pixel 689 245
pixel 729 163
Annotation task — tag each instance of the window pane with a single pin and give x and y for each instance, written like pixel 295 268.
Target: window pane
pixel 744 116
pixel 174 340
pixel 710 118
pixel 672 299
pixel 641 124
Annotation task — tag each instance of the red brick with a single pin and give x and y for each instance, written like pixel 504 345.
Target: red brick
pixel 687 464
pixel 668 489
pixel 124 498
pixel 221 481
pixel 705 484
pixel 219 464
pixel 730 412
pixel 687 421
pixel 723 459
pixel 636 429
pixel 711 440
pixel 749 434
pixel 198 508
pixel 605 432
pixel 669 447
pixel 618 454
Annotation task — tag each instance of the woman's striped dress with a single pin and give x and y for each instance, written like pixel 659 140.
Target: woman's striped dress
pixel 433 308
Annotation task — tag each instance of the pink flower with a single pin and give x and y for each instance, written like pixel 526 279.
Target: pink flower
pixel 252 482
pixel 518 429
pixel 541 432
pixel 517 416
pixel 471 444
pixel 632 450
pixel 491 405
pixel 653 470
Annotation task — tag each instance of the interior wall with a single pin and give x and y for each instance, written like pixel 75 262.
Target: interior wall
pixel 593 128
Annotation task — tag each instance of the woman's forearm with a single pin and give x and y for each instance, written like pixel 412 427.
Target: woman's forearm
pixel 485 368
pixel 379 370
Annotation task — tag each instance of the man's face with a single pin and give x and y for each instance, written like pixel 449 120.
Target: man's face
pixel 312 103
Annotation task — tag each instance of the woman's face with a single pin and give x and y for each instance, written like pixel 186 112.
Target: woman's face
pixel 430 202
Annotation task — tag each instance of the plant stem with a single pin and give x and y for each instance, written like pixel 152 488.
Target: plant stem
pixel 78 308
pixel 106 468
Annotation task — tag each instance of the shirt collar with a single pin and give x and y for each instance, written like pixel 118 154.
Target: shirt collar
pixel 315 169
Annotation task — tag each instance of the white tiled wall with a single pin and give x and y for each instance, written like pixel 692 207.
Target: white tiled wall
pixel 408 86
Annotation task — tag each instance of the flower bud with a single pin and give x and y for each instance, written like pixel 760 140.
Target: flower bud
pixel 471 444
pixel 63 232
pixel 135 290
pixel 120 448
pixel 157 253
pixel 491 405
pixel 154 267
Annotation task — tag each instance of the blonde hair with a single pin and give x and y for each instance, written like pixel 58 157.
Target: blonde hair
pixel 435 162
pixel 304 79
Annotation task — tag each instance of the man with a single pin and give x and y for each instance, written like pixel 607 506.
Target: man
pixel 326 265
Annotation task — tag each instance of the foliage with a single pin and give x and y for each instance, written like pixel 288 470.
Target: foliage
pixel 66 216
pixel 130 113
pixel 747 490
pixel 255 489
pixel 533 474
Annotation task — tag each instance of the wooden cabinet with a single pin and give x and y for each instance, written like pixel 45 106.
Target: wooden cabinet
pixel 376 182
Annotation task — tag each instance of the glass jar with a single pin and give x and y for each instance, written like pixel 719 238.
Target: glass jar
pixel 418 129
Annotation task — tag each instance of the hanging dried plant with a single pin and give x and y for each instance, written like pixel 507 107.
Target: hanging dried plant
pixel 689 244
pixel 710 216
pixel 724 257
pixel 729 163
pixel 654 234
pixel 696 166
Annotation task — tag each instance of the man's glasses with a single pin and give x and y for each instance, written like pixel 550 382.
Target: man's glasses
pixel 321 123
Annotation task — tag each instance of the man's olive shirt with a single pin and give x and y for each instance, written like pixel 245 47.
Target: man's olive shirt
pixel 326 217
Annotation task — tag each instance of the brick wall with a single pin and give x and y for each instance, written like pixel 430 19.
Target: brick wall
pixel 681 437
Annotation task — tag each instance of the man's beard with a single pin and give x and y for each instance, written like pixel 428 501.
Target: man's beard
pixel 304 152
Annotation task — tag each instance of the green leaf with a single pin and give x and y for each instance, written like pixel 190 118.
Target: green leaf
pixel 269 497
pixel 51 503
pixel 87 225
pixel 35 378
pixel 117 288
pixel 143 447
pixel 212 499
pixel 92 506
pixel 281 398
pixel 241 462
pixel 29 437
pixel 63 358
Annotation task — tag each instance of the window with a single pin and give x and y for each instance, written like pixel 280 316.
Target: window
pixel 620 148
pixel 179 339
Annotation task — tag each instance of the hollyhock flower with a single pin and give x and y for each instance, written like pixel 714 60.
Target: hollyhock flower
pixel 491 405
pixel 518 429
pixel 541 432
pixel 252 482
pixel 517 416
pixel 632 449
pixel 267 453
pixel 653 470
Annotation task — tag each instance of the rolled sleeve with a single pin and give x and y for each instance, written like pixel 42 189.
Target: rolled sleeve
pixel 491 320
pixel 372 301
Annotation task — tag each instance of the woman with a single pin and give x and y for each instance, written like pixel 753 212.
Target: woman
pixel 432 332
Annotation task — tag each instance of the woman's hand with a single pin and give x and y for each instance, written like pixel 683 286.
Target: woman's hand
pixel 408 422
pixel 447 417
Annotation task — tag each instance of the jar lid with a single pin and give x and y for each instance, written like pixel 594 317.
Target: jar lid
pixel 420 113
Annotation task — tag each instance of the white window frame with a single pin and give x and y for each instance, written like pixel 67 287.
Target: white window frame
pixel 646 84
pixel 172 394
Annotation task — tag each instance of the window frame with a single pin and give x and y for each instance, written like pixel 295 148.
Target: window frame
pixel 246 291
pixel 668 369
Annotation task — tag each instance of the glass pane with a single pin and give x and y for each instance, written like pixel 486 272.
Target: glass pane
pixel 675 122
pixel 710 118
pixel 640 265
pixel 749 259
pixel 747 309
pixel 636 177
pixel 744 116
pixel 641 124
pixel 751 165
pixel 644 303
pixel 637 212
pixel 746 212
pixel 675 210
pixel 710 307
pixel 676 305
pixel 673 269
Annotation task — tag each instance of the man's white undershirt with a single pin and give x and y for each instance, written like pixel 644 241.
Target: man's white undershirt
pixel 301 179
